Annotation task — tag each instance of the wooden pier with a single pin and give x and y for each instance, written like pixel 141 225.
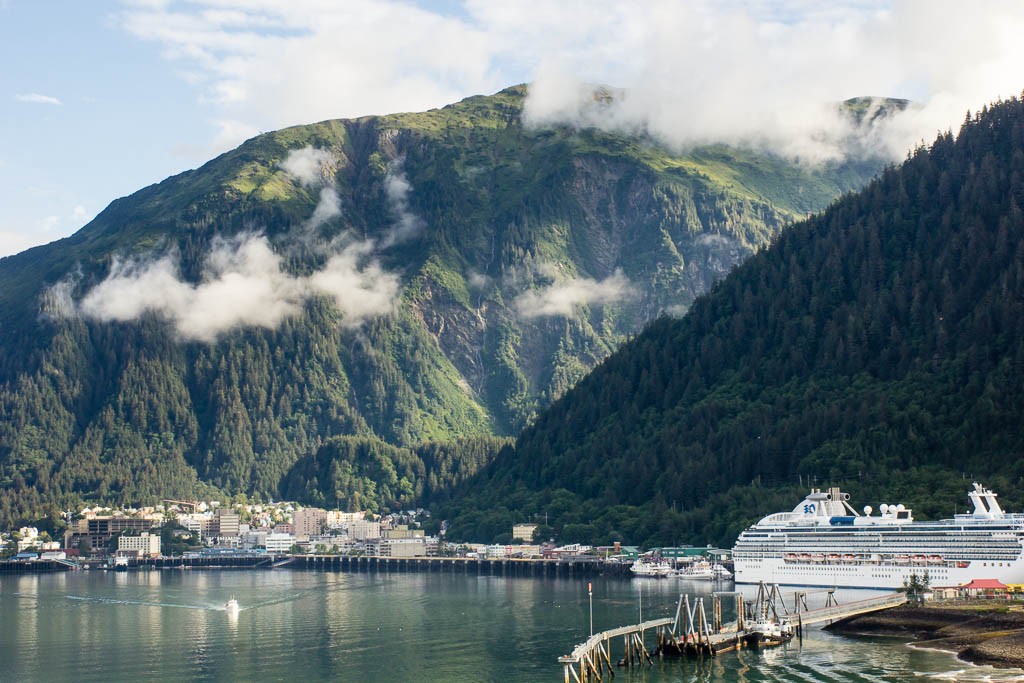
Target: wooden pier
pixel 589 660
pixel 494 566
pixel 693 632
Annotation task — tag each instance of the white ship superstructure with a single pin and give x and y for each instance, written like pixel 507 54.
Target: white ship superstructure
pixel 825 542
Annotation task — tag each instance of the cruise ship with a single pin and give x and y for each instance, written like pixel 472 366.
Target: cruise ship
pixel 825 542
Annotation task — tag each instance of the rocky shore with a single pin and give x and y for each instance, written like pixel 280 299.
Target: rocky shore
pixel 982 634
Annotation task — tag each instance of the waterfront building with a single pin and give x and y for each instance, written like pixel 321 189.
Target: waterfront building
pixel 250 540
pixel 523 532
pixel 984 588
pixel 278 543
pixel 143 545
pixel 97 530
pixel 404 547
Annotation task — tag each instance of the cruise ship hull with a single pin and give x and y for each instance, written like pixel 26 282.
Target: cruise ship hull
pixel 855 575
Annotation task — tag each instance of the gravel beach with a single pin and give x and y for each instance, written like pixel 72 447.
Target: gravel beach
pixel 982 634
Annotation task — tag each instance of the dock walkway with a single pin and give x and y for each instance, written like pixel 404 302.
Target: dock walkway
pixel 693 632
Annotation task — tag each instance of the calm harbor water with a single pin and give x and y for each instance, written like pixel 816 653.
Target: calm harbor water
pixel 370 628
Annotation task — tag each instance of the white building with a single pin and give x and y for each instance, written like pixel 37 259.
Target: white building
pixel 145 544
pixel 29 538
pixel 523 532
pixel 362 530
pixel 278 544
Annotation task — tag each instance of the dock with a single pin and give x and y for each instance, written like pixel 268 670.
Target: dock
pixel 594 656
pixel 697 630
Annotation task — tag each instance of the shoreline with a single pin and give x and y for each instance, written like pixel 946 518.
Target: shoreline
pixel 985 634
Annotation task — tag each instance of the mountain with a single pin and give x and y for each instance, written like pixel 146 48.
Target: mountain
pixel 319 309
pixel 878 346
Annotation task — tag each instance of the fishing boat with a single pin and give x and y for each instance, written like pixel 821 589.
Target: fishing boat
pixel 231 606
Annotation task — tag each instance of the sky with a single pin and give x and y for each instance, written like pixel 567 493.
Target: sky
pixel 99 99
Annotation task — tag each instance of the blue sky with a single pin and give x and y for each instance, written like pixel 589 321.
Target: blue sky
pixel 99 99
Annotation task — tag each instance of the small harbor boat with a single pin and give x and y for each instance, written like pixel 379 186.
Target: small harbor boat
pixel 651 568
pixel 231 607
pixel 766 632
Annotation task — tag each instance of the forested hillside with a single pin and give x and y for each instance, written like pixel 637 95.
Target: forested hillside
pixel 878 347
pixel 318 310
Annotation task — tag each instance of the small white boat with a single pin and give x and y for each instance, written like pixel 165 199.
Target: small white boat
pixel 231 606
pixel 697 571
pixel 650 568
pixel 720 572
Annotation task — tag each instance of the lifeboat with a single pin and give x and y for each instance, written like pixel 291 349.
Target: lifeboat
pixel 849 558
pixel 805 557
pixel 902 559
pixel 963 565
pixel 918 559
pixel 790 557
pixel 818 557
pixel 833 558
pixel 935 559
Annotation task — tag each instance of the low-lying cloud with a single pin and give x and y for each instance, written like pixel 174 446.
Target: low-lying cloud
pixel 563 296
pixel 407 225
pixel 769 76
pixel 243 285
pixel 309 165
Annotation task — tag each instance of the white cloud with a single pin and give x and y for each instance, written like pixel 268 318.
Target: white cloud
pixel 750 71
pixel 407 224
pixel 309 165
pixel 244 285
pixel 36 98
pixel 328 207
pixel 359 292
pixel 561 297
pixel 767 75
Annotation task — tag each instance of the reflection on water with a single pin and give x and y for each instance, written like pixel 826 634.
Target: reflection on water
pixel 295 625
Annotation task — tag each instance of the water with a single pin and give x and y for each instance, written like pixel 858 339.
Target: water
pixel 370 628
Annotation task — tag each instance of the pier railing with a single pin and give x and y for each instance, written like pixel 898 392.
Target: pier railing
pixel 589 660
pixel 851 609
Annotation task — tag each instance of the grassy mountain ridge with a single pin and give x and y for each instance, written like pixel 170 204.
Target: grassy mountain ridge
pixel 878 346
pixel 128 411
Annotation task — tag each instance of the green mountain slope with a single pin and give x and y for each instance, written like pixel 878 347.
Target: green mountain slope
pixel 521 258
pixel 879 346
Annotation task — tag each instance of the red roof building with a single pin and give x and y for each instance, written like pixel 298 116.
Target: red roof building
pixel 985 588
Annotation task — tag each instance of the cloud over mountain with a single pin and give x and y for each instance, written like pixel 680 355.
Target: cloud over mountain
pixel 745 72
pixel 565 294
pixel 244 285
